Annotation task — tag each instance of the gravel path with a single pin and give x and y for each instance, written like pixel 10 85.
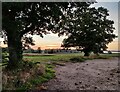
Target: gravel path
pixel 97 74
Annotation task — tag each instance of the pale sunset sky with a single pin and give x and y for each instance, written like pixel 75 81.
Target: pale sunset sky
pixel 53 41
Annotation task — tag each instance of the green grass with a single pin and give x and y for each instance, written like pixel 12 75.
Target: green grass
pixel 50 73
pixel 62 57
pixel 36 80
pixel 66 57
pixel 52 57
pixel 77 59
pixel 111 55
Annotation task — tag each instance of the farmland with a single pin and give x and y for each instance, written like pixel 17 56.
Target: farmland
pixel 64 57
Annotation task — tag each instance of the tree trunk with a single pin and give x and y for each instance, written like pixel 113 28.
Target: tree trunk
pixel 97 54
pixel 15 50
pixel 87 54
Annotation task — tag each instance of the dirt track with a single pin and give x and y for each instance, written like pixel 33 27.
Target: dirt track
pixel 95 74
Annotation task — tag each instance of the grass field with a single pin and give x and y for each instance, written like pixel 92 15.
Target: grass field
pixel 64 57
pixel 51 57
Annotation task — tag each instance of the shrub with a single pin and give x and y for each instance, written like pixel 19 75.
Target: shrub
pixel 76 59
pixel 109 52
pixel 40 70
pixel 58 63
pixel 5 57
pixel 38 80
pixel 28 77
pixel 101 57
pixel 49 74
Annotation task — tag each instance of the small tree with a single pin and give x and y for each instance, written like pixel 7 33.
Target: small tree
pixel 39 50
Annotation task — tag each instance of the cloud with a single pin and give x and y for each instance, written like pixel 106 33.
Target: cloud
pixel 52 45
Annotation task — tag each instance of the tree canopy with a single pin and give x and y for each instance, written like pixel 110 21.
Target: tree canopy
pixel 89 29
pixel 22 18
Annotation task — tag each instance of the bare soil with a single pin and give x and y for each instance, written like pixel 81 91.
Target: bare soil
pixel 97 74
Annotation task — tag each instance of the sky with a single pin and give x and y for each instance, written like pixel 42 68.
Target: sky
pixel 52 41
pixel 113 11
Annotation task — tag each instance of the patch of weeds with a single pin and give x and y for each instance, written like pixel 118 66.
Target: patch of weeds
pixel 29 64
pixel 101 57
pixel 17 79
pixel 25 86
pixel 37 62
pixel 50 73
pixel 50 70
pixel 49 66
pixel 27 77
pixel 5 57
pixel 88 58
pixel 49 76
pixel 77 59
pixel 58 63
pixel 38 80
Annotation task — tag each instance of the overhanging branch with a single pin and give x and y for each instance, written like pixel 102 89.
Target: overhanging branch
pixel 27 29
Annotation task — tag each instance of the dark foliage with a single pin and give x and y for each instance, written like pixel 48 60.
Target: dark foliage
pixel 89 30
pixel 22 18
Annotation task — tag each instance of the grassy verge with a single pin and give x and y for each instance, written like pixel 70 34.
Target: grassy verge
pixel 28 77
pixel 38 80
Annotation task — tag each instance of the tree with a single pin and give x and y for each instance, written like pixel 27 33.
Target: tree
pixel 39 50
pixel 27 18
pixel 90 30
pixel 20 19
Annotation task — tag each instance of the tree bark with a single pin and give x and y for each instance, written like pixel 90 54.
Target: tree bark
pixel 15 50
pixel 86 51
pixel 87 54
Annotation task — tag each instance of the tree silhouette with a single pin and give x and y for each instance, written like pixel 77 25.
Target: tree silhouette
pixel 89 30
pixel 20 19
pixel 39 50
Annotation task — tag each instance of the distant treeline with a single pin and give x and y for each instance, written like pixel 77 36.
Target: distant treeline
pixel 50 51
